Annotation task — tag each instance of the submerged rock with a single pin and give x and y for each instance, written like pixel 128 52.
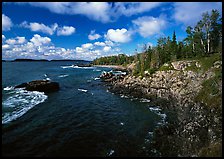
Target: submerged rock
pixel 40 85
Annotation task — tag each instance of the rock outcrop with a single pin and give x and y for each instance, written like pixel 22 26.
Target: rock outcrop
pixel 193 127
pixel 40 85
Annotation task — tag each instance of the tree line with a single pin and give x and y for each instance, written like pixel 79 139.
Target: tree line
pixel 203 39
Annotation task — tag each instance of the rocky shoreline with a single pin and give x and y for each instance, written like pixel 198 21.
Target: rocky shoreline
pixel 197 128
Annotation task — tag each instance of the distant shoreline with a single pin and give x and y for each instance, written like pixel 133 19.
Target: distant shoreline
pixel 111 66
pixel 41 60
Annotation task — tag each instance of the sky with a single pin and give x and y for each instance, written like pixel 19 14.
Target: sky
pixel 89 30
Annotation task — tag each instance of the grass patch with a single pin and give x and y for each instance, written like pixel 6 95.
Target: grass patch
pixel 210 93
pixel 166 67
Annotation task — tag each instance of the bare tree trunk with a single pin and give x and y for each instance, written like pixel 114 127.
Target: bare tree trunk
pixel 202 43
pixel 208 40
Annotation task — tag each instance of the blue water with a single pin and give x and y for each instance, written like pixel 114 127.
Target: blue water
pixel 81 119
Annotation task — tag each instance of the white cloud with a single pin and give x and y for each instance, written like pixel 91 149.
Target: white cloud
pixel 66 30
pixel 132 8
pixel 99 43
pixel 5 46
pixel 37 40
pixel 40 27
pixel 87 46
pixel 148 25
pixel 11 41
pixel 93 36
pixel 98 11
pixel 39 47
pixel 189 13
pixel 6 23
pixel 119 35
pixel 107 48
pixel 17 40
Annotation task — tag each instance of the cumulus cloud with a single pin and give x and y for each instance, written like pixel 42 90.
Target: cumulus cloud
pixel 39 47
pixel 119 35
pixel 17 40
pixel 93 36
pixel 36 48
pixel 148 25
pixel 38 40
pixel 66 30
pixel 87 46
pixel 99 43
pixel 6 23
pixel 40 27
pixel 189 13
pixel 107 48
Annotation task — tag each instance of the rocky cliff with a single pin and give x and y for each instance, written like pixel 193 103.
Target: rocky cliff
pixel 197 128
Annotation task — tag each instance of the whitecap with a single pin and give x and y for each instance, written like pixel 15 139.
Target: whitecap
pixel 97 78
pixel 75 66
pixel 111 152
pixel 143 100
pixel 158 112
pixel 20 103
pixel 83 90
pixel 63 76
pixel 8 88
pixel 121 123
pixel 97 70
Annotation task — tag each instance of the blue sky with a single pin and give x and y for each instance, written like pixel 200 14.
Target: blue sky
pixel 87 30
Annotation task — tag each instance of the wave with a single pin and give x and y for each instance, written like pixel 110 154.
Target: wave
pixel 82 90
pixel 19 103
pixel 8 88
pixel 61 76
pixel 96 70
pixel 158 112
pixel 110 153
pixel 96 78
pixel 143 100
pixel 74 66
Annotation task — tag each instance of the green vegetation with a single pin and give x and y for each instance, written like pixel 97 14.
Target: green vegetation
pixel 211 93
pixel 121 59
pixel 203 43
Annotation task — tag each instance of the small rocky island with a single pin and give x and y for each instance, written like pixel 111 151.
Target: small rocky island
pixel 45 86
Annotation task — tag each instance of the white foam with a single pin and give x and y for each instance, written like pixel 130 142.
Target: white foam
pixel 97 78
pixel 8 88
pixel 145 100
pixel 154 109
pixel 162 115
pixel 83 90
pixel 61 76
pixel 123 96
pixel 74 66
pixel 97 70
pixel 20 103
pixel 111 152
pixel 122 123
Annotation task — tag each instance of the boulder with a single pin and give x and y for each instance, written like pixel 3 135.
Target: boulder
pixel 40 85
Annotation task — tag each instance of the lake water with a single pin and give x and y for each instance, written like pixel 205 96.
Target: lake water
pixel 81 119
